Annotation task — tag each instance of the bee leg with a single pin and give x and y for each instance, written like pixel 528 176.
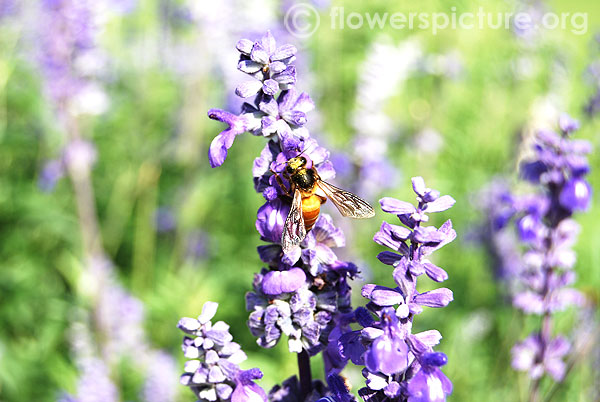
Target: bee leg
pixel 280 182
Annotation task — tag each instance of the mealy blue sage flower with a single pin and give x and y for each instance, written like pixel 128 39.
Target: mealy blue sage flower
pixel 212 371
pixel 303 293
pixel 544 225
pixel 399 365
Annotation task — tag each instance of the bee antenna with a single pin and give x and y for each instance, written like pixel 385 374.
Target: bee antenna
pixel 306 149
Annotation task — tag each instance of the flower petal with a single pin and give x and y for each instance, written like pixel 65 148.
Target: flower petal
pixel 248 88
pixel 441 204
pixel 394 206
pixel 435 298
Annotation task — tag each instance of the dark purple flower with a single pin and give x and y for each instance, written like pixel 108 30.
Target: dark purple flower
pixel 277 282
pixel 289 391
pixel 576 194
pixel 318 254
pixel 567 124
pixel 270 219
pixel 430 384
pixel 389 353
pixel 289 118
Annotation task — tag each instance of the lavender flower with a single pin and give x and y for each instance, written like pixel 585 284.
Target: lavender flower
pixel 400 365
pixel 213 371
pixel 8 8
pixel 543 223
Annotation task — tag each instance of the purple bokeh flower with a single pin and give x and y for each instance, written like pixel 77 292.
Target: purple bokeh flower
pixel 542 281
pixel 161 383
pixel 51 173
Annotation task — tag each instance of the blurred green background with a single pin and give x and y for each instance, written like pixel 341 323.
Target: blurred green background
pixel 179 233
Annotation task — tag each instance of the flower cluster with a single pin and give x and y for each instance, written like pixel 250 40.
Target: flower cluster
pixel 303 293
pixel 272 72
pixel 298 294
pixel 400 365
pixel 213 371
pixel 544 225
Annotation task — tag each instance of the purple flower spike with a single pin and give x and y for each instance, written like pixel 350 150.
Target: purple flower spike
pixel 539 278
pixel 400 366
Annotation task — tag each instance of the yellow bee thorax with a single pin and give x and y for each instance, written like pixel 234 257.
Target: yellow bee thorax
pixel 296 163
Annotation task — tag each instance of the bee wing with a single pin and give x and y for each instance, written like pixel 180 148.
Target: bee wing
pixel 347 203
pixel 294 230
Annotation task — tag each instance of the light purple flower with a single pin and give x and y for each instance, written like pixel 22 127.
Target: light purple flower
pixel 268 64
pixel 221 143
pixel 212 371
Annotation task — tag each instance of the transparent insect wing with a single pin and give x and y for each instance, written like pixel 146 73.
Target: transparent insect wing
pixel 348 204
pixel 294 230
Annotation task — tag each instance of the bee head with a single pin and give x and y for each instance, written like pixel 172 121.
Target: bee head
pixel 295 163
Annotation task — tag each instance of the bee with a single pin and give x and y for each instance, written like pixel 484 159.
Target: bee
pixel 309 192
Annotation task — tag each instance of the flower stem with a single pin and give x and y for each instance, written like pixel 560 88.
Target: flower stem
pixel 305 374
pixel 85 200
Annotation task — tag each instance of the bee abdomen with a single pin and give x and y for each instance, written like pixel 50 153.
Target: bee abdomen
pixel 311 206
